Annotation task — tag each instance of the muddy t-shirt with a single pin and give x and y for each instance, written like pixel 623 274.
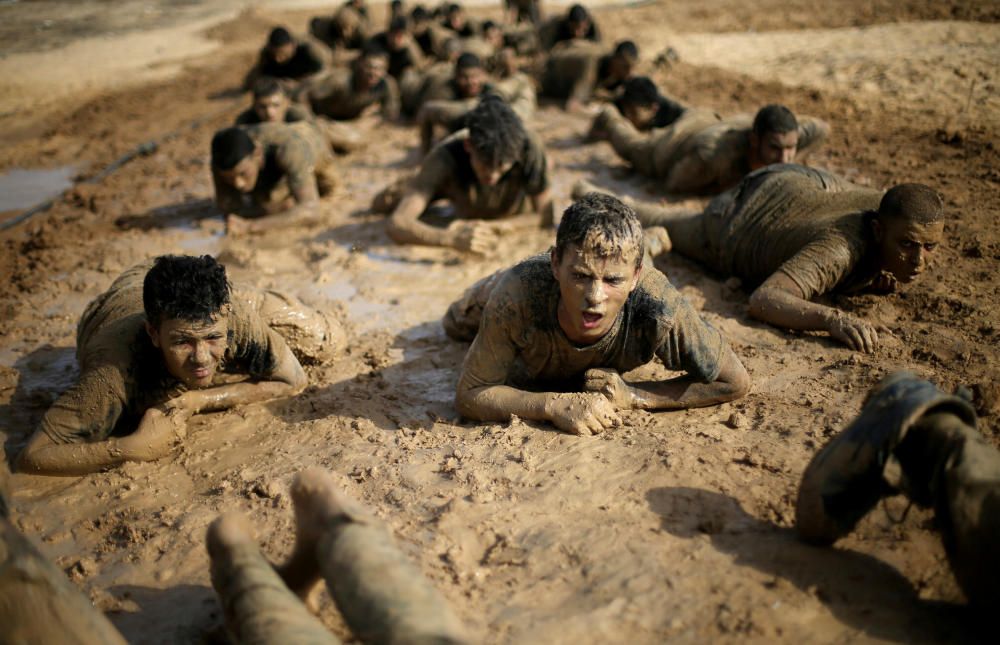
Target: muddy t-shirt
pixel 406 57
pixel 667 112
pixel 808 224
pixel 294 155
pixel 335 97
pixel 447 174
pixel 304 62
pixel 293 114
pixel 122 374
pixel 520 341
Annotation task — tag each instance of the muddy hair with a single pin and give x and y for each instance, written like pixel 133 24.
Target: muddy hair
pixel 912 202
pixel 603 224
pixel 267 86
pixel 185 287
pixel 229 147
pixel 495 132
pixel 639 90
pixel 628 50
pixel 468 60
pixel 577 13
pixel 774 118
pixel 279 36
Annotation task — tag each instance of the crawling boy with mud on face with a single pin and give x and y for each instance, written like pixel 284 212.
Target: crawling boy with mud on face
pixel 589 311
pixel 166 341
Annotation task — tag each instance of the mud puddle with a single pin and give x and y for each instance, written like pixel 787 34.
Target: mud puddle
pixel 22 188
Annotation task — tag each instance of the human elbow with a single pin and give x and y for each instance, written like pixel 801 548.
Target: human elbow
pixel 759 304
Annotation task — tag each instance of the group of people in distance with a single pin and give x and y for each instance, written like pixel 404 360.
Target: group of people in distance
pixel 551 336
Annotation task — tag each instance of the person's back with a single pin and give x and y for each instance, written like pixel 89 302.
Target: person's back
pixel 781 211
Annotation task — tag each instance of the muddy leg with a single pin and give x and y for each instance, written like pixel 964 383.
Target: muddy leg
pixel 461 321
pixel 949 464
pixel 37 603
pixel 381 595
pixel 257 605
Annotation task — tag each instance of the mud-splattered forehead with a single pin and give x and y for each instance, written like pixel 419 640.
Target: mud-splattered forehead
pixel 603 225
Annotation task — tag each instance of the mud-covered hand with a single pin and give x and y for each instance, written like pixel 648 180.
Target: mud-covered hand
pixel 609 382
pixel 855 333
pixel 585 413
pixel 477 237
pixel 884 282
pixel 161 428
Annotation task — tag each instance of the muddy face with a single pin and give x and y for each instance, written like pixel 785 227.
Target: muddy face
pixel 487 174
pixel 242 176
pixel 192 350
pixel 579 29
pixel 905 247
pixel 271 109
pixel 283 53
pixel 469 81
pixel 593 288
pixel 773 147
pixel 371 70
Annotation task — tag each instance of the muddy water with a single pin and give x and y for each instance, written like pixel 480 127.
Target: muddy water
pixel 22 188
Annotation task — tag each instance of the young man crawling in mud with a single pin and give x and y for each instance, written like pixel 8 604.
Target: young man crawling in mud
pixel 486 171
pixel 796 234
pixel 161 344
pixel 270 175
pixel 584 314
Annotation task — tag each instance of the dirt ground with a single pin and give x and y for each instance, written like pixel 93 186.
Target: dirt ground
pixel 677 526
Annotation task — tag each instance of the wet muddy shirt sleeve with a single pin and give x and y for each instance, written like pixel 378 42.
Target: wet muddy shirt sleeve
pixel 536 178
pixel 254 347
pixel 491 357
pixel 89 410
pixel 298 161
pixel 435 173
pixel 821 265
pixel 685 341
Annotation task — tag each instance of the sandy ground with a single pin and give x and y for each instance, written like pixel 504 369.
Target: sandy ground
pixel 677 526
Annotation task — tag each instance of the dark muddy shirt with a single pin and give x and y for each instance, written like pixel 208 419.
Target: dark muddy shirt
pixel 294 155
pixel 406 57
pixel 122 374
pixel 808 224
pixel 447 174
pixel 667 112
pixel 304 62
pixel 520 341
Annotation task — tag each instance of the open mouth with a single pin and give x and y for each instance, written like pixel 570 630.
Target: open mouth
pixel 591 320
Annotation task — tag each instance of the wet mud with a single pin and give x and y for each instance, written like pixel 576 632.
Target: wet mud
pixel 675 526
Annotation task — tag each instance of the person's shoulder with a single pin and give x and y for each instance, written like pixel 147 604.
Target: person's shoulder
pixel 247 117
pixel 452 147
pixel 527 287
pixel 655 299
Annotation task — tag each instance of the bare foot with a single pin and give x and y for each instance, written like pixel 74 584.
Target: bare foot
pixel 228 531
pixel 657 241
pixel 318 506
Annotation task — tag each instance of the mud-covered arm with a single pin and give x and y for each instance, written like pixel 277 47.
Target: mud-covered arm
pixel 732 382
pixel 390 103
pixel 812 133
pixel 583 87
pixel 783 302
pixel 73 437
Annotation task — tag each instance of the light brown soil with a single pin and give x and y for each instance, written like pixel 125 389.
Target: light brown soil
pixel 677 526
